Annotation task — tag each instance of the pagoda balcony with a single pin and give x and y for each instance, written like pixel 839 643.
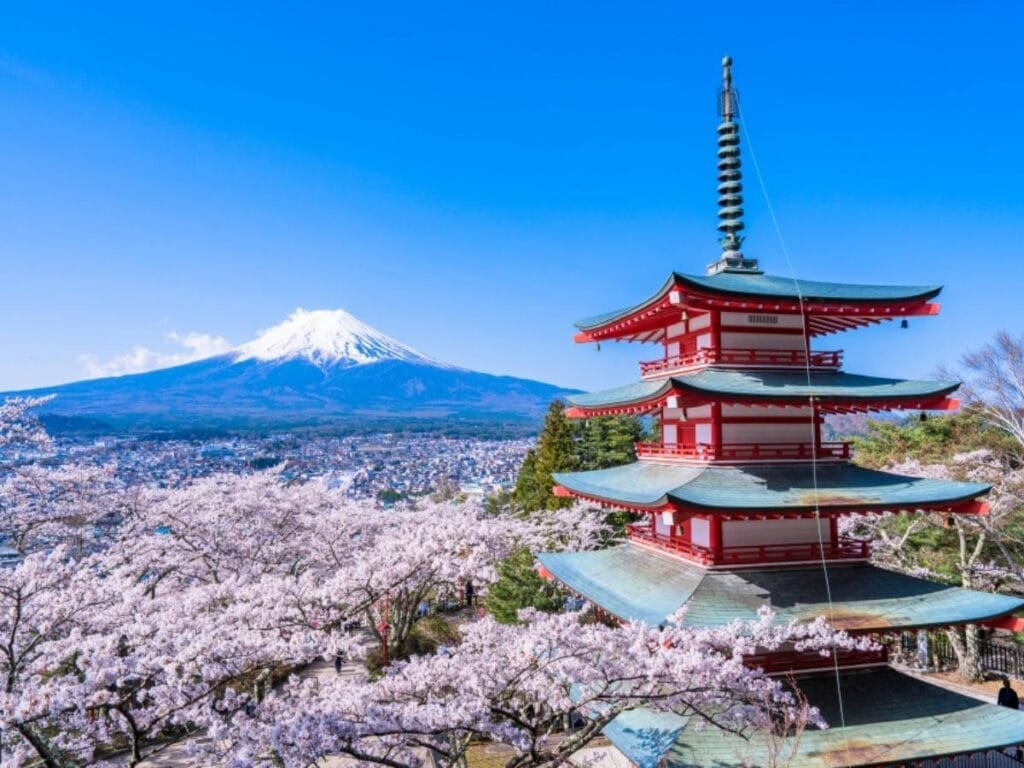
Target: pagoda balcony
pixel 785 663
pixel 744 452
pixel 754 358
pixel 753 555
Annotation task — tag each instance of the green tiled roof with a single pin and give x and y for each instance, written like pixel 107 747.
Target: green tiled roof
pixel 772 286
pixel 764 486
pixel 644 735
pixel 887 718
pixel 636 583
pixel 770 385
pixel 627 581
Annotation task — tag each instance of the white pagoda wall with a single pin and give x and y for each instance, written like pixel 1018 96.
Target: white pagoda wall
pixel 762 338
pixel 700 532
pixel 762 432
pixel 742 533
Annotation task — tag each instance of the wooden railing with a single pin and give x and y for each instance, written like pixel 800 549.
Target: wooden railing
pixel 768 358
pixel 691 551
pixel 780 663
pixel 743 451
pixel 755 554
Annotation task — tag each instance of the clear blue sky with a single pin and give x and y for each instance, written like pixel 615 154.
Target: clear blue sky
pixel 472 178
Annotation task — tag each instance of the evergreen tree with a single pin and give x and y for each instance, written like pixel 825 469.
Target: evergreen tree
pixel 520 586
pixel 608 441
pixel 556 452
pixel 527 490
pixel 567 445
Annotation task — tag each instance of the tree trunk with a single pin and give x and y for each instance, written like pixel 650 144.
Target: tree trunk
pixel 39 745
pixel 965 644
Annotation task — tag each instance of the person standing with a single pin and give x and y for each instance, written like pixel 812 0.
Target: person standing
pixel 1007 696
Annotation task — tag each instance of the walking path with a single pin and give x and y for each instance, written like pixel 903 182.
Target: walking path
pixel 984 691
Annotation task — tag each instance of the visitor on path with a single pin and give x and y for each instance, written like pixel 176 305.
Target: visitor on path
pixel 469 594
pixel 1008 696
pixel 339 661
pixel 422 609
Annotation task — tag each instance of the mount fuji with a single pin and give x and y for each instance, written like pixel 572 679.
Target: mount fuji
pixel 317 369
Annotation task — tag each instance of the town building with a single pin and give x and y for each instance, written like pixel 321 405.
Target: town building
pixel 740 503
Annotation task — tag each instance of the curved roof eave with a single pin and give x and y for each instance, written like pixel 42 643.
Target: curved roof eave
pixel 772 286
pixel 768 385
pixel 753 488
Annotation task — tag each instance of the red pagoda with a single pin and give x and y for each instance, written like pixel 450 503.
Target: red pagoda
pixel 739 502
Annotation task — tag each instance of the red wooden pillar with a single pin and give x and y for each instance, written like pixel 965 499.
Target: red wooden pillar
pixel 807 336
pixel 716 428
pixel 715 536
pixel 833 530
pixel 816 415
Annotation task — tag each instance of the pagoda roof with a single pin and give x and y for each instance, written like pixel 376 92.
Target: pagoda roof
pixel 759 285
pixel 887 718
pixel 768 386
pixel 637 583
pixel 760 487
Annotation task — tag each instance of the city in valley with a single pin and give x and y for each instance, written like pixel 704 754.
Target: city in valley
pixel 385 466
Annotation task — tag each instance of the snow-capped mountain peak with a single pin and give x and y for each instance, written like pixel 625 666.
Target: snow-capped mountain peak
pixel 326 337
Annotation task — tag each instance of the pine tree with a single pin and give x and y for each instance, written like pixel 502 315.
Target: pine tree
pixel 527 491
pixel 556 452
pixel 608 441
pixel 567 445
pixel 520 586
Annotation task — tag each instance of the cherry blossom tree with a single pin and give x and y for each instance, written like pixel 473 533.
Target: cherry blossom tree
pixel 20 429
pixel 521 685
pixel 194 618
pixel 986 555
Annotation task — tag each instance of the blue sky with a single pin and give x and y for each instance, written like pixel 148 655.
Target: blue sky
pixel 471 178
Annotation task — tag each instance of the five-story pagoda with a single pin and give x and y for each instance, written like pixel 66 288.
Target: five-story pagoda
pixel 740 501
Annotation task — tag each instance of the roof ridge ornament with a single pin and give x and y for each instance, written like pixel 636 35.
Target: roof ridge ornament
pixel 730 184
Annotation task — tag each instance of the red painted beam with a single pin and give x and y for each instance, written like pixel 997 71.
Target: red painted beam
pixel 561 492
pixel 1011 623
pixel 976 507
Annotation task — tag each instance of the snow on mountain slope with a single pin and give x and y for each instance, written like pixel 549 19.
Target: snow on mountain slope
pixel 316 369
pixel 327 337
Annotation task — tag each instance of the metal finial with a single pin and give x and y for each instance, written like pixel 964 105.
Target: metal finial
pixel 727 105
pixel 730 185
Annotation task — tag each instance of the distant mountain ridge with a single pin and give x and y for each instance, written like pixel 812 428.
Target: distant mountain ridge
pixel 316 369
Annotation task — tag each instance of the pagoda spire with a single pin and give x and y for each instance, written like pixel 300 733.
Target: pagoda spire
pixel 730 184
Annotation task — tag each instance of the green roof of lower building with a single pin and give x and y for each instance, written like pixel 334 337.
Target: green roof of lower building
pixel 719 383
pixel 775 287
pixel 637 583
pixel 764 487
pixel 887 718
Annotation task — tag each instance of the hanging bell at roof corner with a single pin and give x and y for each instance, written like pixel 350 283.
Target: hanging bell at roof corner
pixel 904 324
pixel 598 346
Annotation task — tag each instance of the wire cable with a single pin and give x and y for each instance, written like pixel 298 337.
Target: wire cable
pixel 744 123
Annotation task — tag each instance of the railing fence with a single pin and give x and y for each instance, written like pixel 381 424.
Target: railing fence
pixel 996 657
